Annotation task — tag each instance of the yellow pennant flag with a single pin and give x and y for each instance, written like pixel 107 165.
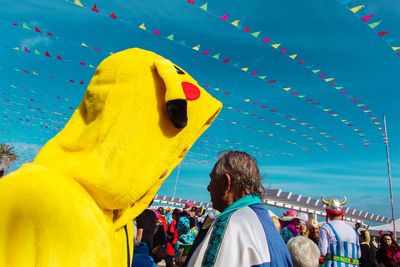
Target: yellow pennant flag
pixel 287 89
pixel 329 79
pixel 216 56
pixel 293 56
pixel 235 23
pixel 276 45
pixel 256 34
pixel 170 37
pixel 204 7
pixel 35 73
pixel 316 71
pixel 196 47
pixel 395 48
pixel 16 48
pixel 37 52
pixel 84 44
pixel 143 27
pixel 245 69
pixel 375 24
pixel 357 8
pixel 25 26
pixel 78 3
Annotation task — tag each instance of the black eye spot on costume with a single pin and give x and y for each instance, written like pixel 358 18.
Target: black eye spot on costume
pixel 179 71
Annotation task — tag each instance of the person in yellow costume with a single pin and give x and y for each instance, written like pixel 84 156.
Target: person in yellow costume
pixel 74 204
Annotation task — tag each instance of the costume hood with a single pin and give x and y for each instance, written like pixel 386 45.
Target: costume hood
pixel 138 118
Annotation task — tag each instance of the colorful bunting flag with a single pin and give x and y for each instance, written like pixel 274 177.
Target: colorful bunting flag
pixel 25 26
pixel 196 47
pixel 112 15
pixel 367 17
pixel 95 9
pixel 235 23
pixel 225 17
pixel 276 46
pixel 256 34
pixel 204 7
pixel 357 8
pixel 293 56
pixel 78 3
pixel 375 24
pixel 143 27
pixel 84 44
pixel 170 37
pixel 383 33
pixel 37 29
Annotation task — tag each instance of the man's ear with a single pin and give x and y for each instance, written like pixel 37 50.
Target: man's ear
pixel 226 181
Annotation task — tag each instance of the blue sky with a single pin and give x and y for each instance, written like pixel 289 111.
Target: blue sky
pixel 304 84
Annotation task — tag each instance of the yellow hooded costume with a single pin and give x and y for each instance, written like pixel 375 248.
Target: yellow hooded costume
pixel 74 204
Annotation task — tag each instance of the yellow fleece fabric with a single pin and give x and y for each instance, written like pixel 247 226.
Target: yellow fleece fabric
pixel 74 204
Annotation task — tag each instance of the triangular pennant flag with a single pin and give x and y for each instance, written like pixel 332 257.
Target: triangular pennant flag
pixel 35 73
pixel 226 60
pixel 247 100
pixel 375 24
pixel 216 56
pixel 95 9
pixel 204 7
pixel 78 3
pixel 25 26
pixel 84 44
pixel 47 54
pixel 91 66
pixel 235 23
pixel 16 48
pixel 339 87
pixel 266 40
pixel 301 96
pixel 247 29
pixel 383 33
pixel 225 17
pixel 206 52
pixel 329 79
pixel 59 57
pixel 276 45
pixel 293 56
pixel 245 69
pixel 395 48
pixel 37 29
pixel 256 34
pixel 156 32
pixel 26 49
pixel 190 2
pixel 367 17
pixel 112 15
pixel 196 47
pixel 262 77
pixel 170 37
pixel 357 8
pixel 287 89
pixel 315 71
pixel 143 27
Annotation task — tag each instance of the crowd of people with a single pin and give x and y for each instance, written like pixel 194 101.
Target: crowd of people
pixel 240 231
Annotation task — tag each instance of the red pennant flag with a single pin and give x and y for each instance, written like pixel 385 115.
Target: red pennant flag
pixel 266 40
pixel 383 33
pixel 264 107
pixel 82 63
pixel 309 100
pixel 294 93
pixel 254 73
pixel 37 29
pixel 272 81
pixel 321 75
pixel 26 71
pixel 247 29
pixel 367 18
pixel 191 1
pixel 206 52
pixel 96 48
pixel 156 32
pixel 71 81
pixel 14 24
pixel 59 57
pixel 47 54
pixel 301 62
pixel 398 53
pixel 273 110
pixel 283 51
pixel 112 15
pixel 225 60
pixel 49 34
pixel 344 92
pixel 26 49
pixel 227 93
pixel 82 82
pixel 225 17
pixel 333 84
pixel 94 8
pixel 255 103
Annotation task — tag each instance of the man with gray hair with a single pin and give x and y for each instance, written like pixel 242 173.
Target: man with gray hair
pixel 243 234
pixel 304 252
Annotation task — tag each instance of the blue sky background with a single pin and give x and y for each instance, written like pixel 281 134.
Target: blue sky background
pixel 268 108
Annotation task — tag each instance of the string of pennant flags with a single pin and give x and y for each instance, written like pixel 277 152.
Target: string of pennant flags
pixel 58 57
pixel 329 79
pixel 274 111
pixel 227 60
pixel 277 113
pixel 375 24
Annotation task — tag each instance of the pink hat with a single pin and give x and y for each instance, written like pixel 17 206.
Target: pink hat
pixel 189 204
pixel 289 215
